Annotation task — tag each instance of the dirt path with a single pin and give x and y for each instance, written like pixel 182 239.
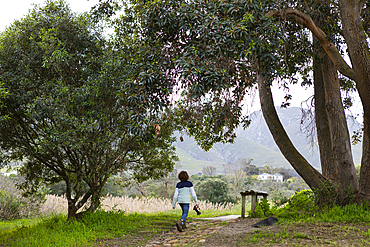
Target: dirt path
pixel 231 232
pixel 239 232
pixel 200 232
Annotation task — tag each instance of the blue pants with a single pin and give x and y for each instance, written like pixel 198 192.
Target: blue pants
pixel 185 210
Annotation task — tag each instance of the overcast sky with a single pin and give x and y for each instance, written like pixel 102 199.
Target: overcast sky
pixel 14 9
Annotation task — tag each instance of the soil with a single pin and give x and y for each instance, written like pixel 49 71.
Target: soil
pixel 239 232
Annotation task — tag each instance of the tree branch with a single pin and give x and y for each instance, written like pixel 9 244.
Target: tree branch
pixel 309 174
pixel 305 20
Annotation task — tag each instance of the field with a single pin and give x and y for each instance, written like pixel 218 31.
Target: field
pixel 153 225
pixel 120 218
pixel 58 205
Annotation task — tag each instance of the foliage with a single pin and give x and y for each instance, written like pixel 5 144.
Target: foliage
pixel 278 192
pixel 111 187
pixel 211 48
pixel 13 205
pixel 209 170
pixel 93 229
pixel 211 53
pixel 279 198
pixel 57 231
pixel 302 208
pixel 250 169
pixel 58 189
pixel 213 190
pixel 301 204
pixel 351 213
pixel 3 93
pixel 235 174
pixel 358 168
pixel 70 115
pixel 326 194
pixel 263 209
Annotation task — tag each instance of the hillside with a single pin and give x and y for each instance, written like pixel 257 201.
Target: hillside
pixel 256 143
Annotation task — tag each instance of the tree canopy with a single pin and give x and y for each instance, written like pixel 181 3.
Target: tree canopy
pixel 213 52
pixel 69 114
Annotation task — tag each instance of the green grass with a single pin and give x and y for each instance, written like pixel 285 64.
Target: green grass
pixel 10 225
pixel 56 231
pixel 269 237
pixel 351 213
pixel 93 228
pixel 101 226
pixel 214 213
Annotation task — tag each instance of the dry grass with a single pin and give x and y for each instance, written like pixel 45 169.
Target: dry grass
pixel 58 204
pixel 54 205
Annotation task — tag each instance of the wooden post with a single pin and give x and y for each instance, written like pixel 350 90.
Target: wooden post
pixel 254 195
pixel 253 203
pixel 243 206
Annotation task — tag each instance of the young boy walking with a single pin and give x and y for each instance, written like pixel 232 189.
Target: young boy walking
pixel 182 194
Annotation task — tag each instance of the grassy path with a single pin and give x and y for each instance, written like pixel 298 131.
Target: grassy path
pixel 239 232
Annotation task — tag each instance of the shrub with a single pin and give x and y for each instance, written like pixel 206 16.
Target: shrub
pixel 303 200
pixel 327 194
pixel 279 198
pixel 10 206
pixel 300 204
pixel 263 209
pixel 13 205
pixel 214 190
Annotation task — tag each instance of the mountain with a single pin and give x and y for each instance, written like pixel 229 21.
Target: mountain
pixel 256 142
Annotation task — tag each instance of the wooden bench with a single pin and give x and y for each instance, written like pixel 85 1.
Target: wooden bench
pixel 253 194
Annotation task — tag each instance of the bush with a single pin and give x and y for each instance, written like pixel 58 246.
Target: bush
pixel 13 205
pixel 57 188
pixel 279 198
pixel 213 190
pixel 263 209
pixel 300 204
pixel 10 206
pixel 303 200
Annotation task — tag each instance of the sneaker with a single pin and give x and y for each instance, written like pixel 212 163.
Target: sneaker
pixel 179 226
pixel 183 224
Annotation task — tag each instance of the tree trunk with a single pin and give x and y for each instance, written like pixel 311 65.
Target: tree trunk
pixel 321 117
pixel 72 209
pixel 309 174
pixel 365 161
pixel 355 38
pixel 346 178
pixel 332 131
pixel 95 202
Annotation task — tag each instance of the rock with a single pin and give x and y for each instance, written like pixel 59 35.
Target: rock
pixel 266 222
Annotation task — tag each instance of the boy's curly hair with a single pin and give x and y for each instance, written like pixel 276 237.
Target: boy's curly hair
pixel 183 176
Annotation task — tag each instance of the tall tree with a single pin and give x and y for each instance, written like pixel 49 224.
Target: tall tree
pixel 209 170
pixel 70 110
pixel 235 173
pixel 213 52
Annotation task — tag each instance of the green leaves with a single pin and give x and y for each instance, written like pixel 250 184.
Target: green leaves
pixel 208 52
pixel 76 109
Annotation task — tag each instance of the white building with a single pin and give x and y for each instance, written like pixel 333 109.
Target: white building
pixel 267 176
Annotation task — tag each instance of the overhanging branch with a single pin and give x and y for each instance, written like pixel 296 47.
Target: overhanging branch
pixel 305 20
